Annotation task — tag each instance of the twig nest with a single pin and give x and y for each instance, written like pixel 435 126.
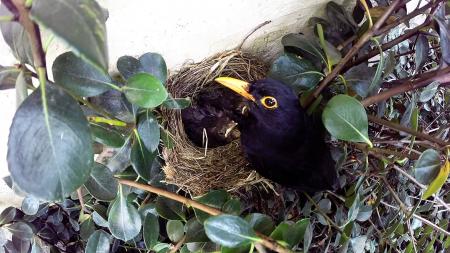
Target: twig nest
pixel 194 169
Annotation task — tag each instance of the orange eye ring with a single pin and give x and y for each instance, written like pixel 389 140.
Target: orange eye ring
pixel 269 102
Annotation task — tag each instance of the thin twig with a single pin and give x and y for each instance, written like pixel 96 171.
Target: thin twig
pixel 80 198
pixel 352 52
pixel 329 220
pixel 401 128
pixel 239 47
pixel 265 241
pixel 178 245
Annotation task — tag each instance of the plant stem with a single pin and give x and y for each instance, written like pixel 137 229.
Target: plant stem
pixel 265 241
pixel 361 42
pixel 401 128
pixel 366 8
pixel 329 220
pixel 111 122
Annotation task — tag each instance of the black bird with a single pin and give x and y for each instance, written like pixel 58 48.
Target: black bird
pixel 280 140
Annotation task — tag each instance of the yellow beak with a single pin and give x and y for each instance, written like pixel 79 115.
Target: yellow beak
pixel 238 86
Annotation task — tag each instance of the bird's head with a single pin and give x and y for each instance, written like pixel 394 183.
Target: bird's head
pixel 270 102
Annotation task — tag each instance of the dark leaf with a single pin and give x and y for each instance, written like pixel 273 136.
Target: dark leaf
pixel 87 228
pixel 232 206
pixel 124 219
pixel 80 77
pixel 422 50
pixel 8 215
pixel 359 78
pixel 101 183
pixel 151 230
pixel 128 66
pixel 300 74
pixel 261 223
pixel 427 166
pixel 56 148
pixel 444 33
pixel 296 232
pixel 306 47
pixel 80 23
pixel 155 65
pixel 21 230
pixel 229 231
pixel 145 90
pixel 177 103
pixel 98 242
pixel 215 199
pixel 8 76
pixel 148 129
pixel 106 135
pixel 195 232
pixel 21 88
pixel 121 158
pixel 142 159
pixel 170 209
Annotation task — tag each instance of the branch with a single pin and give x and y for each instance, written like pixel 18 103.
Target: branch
pixel 441 76
pixel 265 241
pixel 401 128
pixel 361 42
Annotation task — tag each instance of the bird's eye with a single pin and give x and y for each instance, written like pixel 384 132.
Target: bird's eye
pixel 269 102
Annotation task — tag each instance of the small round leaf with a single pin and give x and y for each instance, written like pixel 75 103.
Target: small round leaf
pixel 98 242
pixel 229 231
pixel 145 90
pixel 101 183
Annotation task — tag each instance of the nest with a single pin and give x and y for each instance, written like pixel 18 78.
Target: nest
pixel 194 169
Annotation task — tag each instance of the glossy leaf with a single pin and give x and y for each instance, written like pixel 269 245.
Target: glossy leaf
pixel 21 230
pixel 80 23
pixel 141 159
pixel 145 90
pixel 438 182
pixel 232 206
pixel 151 230
pixel 422 50
pixel 195 232
pixel 99 220
pixel 124 219
pixel 170 209
pixel 154 64
pixel 128 66
pixel 345 118
pixel 79 76
pixel 307 238
pixel 87 228
pixel 175 230
pixel 106 135
pixel 305 47
pixel 8 76
pixel 229 231
pixel 30 205
pixel 260 222
pixel 215 199
pixel 148 129
pixel 101 183
pixel 121 158
pixel 359 78
pixel 296 232
pixel 427 166
pixel 444 34
pixel 99 242
pixel 59 137
pixel 298 73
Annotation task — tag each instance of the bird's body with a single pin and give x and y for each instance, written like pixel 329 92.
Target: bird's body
pixel 281 141
pixel 287 145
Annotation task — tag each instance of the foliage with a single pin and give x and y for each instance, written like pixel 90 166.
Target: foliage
pixel 394 188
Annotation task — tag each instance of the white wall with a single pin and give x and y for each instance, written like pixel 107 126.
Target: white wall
pixel 180 30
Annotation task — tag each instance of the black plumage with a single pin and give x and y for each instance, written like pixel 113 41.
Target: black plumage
pixel 280 140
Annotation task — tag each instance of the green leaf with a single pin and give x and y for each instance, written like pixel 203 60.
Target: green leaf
pixel 358 244
pixel 154 64
pixel 177 103
pixel 106 135
pixel 175 230
pixel 145 90
pixel 364 213
pixel 422 50
pixel 16 37
pixel 195 232
pixel 151 230
pixel 215 199
pixel 300 74
pixel 296 232
pixel 56 148
pixel 124 219
pixel 148 129
pixel 98 242
pixel 21 230
pixel 128 66
pixel 307 238
pixel 427 166
pixel 429 92
pixel 87 228
pixel 305 47
pixel 8 215
pixel 280 231
pixel 142 159
pixel 261 223
pixel 438 182
pixel 8 77
pixel 81 23
pixel 30 205
pixel 101 183
pixel 345 118
pixel 170 209
pixel 229 231
pixel 80 77
pixel 232 206
pixel 99 220
pixel 359 78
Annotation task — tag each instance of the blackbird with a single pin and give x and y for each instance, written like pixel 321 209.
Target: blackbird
pixel 279 139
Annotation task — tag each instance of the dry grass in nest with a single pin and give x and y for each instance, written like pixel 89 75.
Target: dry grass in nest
pixel 197 170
